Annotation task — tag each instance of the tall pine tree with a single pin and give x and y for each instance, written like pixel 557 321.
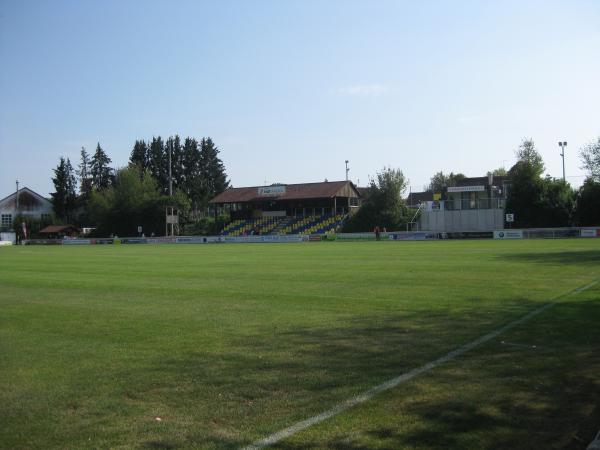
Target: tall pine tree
pixel 173 146
pixel 64 197
pixel 139 155
pixel 192 175
pixel 158 163
pixel 212 170
pixel 100 170
pixel 85 180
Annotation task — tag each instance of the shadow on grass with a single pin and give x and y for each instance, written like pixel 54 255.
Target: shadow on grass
pixel 514 397
pixel 556 258
pixel 264 382
pixel 279 376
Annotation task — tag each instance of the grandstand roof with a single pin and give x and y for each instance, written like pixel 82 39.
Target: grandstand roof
pixel 325 189
pixel 59 229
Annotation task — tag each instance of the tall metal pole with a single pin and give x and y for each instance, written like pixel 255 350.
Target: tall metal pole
pixel 17 197
pixel 347 170
pixel 170 194
pixel 170 176
pixel 562 146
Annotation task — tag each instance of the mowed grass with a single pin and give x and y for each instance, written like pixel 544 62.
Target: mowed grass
pixel 229 343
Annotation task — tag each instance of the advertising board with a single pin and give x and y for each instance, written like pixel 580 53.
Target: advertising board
pixel 409 236
pixel 466 189
pixel 267 191
pixel 76 241
pixel 508 234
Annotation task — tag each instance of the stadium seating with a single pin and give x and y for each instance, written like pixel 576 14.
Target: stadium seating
pixel 263 225
pixel 317 224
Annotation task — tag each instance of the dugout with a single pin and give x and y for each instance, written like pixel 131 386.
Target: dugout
pixel 295 200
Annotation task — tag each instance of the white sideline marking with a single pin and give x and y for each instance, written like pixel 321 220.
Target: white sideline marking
pixel 595 444
pixel 387 385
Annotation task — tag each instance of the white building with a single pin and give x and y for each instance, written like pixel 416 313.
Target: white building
pixel 473 205
pixel 24 202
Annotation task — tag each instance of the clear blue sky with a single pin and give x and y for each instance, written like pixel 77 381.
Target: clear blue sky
pixel 290 89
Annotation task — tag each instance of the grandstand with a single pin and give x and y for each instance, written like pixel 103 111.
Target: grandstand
pixel 307 208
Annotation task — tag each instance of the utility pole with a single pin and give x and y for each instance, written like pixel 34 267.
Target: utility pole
pixel 347 170
pixel 562 146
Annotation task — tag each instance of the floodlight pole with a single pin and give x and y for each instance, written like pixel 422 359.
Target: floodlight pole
pixel 347 170
pixel 17 197
pixel 562 146
pixel 170 176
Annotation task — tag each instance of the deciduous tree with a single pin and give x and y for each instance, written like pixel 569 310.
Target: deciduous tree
pixel 384 205
pixel 440 181
pixel 590 155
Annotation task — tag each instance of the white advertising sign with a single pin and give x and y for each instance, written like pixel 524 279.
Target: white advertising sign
pixel 590 233
pixel 508 234
pixel 466 189
pixel 271 191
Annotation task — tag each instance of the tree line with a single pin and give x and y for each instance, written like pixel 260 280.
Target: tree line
pixel 534 199
pixel 117 201
pixel 543 201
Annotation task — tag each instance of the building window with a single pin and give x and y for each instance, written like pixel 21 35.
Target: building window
pixel 6 220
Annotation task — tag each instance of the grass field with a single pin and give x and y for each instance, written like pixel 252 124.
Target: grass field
pixel 227 344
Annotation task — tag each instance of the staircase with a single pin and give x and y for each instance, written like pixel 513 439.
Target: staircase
pixel 287 221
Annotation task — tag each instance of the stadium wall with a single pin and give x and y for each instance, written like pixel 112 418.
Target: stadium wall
pixel 462 220
pixel 533 233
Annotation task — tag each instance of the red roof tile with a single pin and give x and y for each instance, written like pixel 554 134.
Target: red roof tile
pixel 326 189
pixel 58 229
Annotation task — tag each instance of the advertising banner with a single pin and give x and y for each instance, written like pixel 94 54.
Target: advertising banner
pixel 590 232
pixel 43 242
pixel 266 238
pixel 161 240
pixel 466 189
pixel 102 241
pixel 134 241
pixel 269 191
pixel 76 241
pixel 508 234
pixel 409 236
pixel 360 236
pixel 199 239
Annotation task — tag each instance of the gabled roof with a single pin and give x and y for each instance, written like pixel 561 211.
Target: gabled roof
pixel 414 198
pixel 12 197
pixel 59 229
pixel 326 189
